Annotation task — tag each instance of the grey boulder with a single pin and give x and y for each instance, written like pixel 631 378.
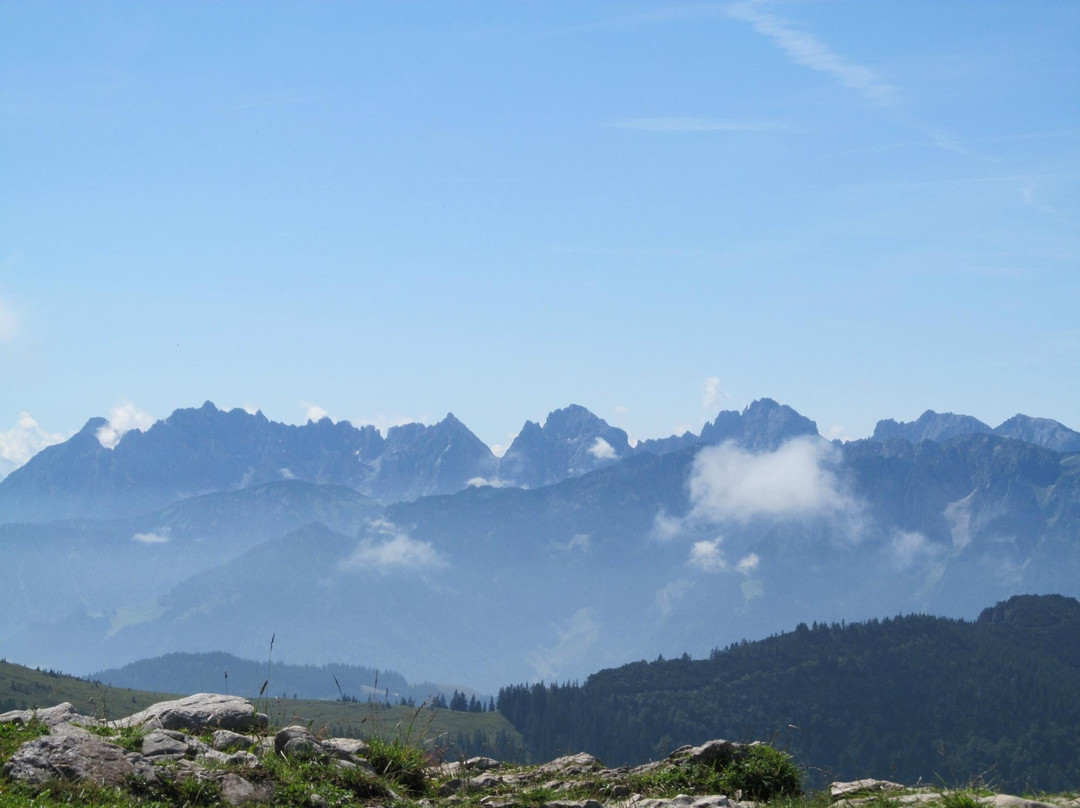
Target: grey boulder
pixel 199 713
pixel 76 757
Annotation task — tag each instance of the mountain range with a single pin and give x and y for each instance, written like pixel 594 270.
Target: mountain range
pixel 422 552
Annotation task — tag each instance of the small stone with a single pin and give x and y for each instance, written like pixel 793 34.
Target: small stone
pixel 482 763
pixel 451 787
pixel 296 740
pixel 228 741
pixel 162 745
pixel 235 790
pixel 344 748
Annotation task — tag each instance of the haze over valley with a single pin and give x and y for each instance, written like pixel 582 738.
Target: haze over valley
pixel 422 552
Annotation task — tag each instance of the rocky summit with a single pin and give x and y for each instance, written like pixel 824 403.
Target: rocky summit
pixel 210 749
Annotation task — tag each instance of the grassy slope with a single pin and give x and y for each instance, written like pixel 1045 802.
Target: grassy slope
pixel 25 688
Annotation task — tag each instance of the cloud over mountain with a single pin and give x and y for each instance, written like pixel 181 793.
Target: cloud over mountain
pixel 797 480
pixel 123 419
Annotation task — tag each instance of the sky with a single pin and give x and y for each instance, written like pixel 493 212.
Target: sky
pixel 384 212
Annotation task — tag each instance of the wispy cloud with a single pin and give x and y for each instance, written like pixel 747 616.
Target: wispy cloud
pixel 712 395
pixel 123 419
pixel 488 482
pixel 669 596
pixel 707 556
pixel 575 636
pixel 1028 197
pixel 23 441
pixel 908 549
pixel 748 563
pixel 392 548
pixel 697 125
pixel 805 49
pixel 313 412
pixel 159 536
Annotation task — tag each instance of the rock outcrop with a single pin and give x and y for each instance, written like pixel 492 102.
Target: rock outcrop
pixel 164 752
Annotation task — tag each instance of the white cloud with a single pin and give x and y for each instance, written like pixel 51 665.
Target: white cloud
pixel 123 419
pixel 23 441
pixel 838 432
pixel 602 450
pixel 313 412
pixel 909 548
pixel 748 563
pixel 795 481
pixel 490 482
pixel 668 597
pixel 393 548
pixel 712 394
pixel 159 536
pixel 707 555
pixel 666 528
pixel 580 541
pixel 575 636
pixel 807 50
pixel 697 125
pixel 286 474
pixel 384 423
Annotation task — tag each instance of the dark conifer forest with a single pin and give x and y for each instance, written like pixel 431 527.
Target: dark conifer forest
pixel 909 698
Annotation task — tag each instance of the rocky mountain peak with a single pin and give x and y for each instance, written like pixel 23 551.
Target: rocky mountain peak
pixel 571 442
pixel 1044 432
pixel 762 426
pixel 936 426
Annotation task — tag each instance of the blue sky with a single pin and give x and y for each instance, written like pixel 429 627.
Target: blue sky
pixel 388 211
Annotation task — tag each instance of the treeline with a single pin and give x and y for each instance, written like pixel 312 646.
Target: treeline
pixel 459 703
pixel 911 698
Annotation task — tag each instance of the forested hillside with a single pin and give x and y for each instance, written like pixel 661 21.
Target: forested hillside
pixel 907 698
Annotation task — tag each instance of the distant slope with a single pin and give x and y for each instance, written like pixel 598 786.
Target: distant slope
pixel 905 699
pixel 101 565
pixel 23 688
pixel 579 576
pixel 457 734
pixel 206 673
